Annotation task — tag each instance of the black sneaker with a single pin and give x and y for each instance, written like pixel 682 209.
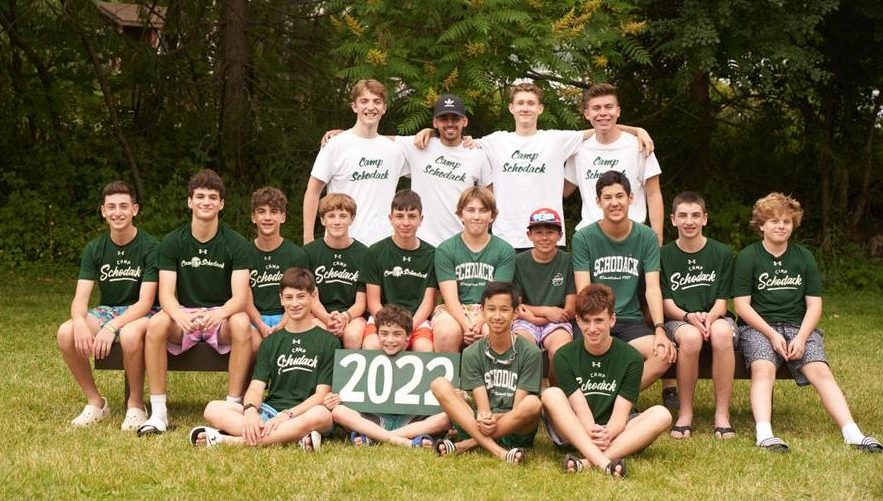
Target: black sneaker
pixel 670 399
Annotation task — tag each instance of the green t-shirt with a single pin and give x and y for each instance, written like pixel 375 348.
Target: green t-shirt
pixel 338 272
pixel 500 379
pixel 403 275
pixel 778 285
pixel 600 378
pixel 293 364
pixel 266 273
pixel 120 269
pixel 473 270
pixel 618 264
pixel 544 284
pixel 204 268
pixel 694 281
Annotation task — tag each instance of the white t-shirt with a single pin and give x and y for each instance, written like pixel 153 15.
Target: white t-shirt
pixel 439 174
pixel 367 170
pixel 594 159
pixel 528 174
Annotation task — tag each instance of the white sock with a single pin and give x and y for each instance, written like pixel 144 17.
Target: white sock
pixel 851 434
pixel 158 408
pixel 234 400
pixel 764 431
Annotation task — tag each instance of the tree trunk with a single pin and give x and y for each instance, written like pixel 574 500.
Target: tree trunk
pixel 862 200
pixel 110 102
pixel 234 113
pixel 825 157
pixel 698 92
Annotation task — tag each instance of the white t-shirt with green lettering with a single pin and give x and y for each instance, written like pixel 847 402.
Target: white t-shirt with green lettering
pixel 528 174
pixel 594 159
pixel 367 170
pixel 439 174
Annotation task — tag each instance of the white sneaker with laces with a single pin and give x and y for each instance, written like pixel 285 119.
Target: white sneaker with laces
pixel 91 414
pixel 134 418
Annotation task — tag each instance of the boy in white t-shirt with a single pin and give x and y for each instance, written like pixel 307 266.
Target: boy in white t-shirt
pixel 361 164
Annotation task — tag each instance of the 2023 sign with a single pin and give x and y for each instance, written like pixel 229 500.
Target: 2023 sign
pixel 371 381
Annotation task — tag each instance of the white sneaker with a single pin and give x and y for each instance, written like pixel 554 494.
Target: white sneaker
pixel 134 418
pixel 91 414
pixel 311 442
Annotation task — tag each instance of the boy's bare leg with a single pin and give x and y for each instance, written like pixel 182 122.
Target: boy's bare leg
pixel 689 345
pixel 723 366
pixel 79 365
pixel 654 367
pixel 371 342
pixel 763 377
pixel 228 417
pixel 161 329
pixel 446 333
pixel 236 331
pixel 819 374
pixel 640 432
pixel 422 345
pixel 432 425
pixel 568 425
pixel 132 343
pixel 353 420
pixel 459 412
pixel 352 334
pixel 555 340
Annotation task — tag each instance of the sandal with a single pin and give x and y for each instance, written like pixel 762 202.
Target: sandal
pixel 572 464
pixel 512 457
pixel 152 426
pixel 418 441
pixel 685 430
pixel 724 432
pixel 450 447
pixel 311 442
pixel 611 470
pixel 870 445
pixel 363 439
pixel 210 436
pixel 774 444
pixel 92 414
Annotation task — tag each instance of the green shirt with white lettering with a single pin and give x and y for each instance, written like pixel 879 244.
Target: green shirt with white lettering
pixel 293 364
pixel 544 284
pixel 473 270
pixel 600 378
pixel 120 269
pixel 204 268
pixel 338 272
pixel 695 280
pixel 403 275
pixel 501 373
pixel 618 264
pixel 778 285
pixel 266 273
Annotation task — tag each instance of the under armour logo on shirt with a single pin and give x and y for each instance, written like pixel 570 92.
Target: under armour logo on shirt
pixel 268 258
pixel 338 256
pixel 203 251
pixel 406 258
pixel 691 261
pixel 121 253
pixel 295 341
pixel 596 364
pixel 777 263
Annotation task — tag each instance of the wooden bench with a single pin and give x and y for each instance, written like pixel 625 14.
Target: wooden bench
pixel 200 358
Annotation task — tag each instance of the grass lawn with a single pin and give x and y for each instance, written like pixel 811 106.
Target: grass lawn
pixel 42 456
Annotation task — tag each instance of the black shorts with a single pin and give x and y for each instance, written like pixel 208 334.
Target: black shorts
pixel 629 330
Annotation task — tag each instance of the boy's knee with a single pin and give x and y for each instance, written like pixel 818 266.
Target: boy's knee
pixel 440 386
pixel 65 335
pixel 552 394
pixel 240 327
pixel 660 416
pixel 763 369
pixel 721 336
pixel 158 327
pixel 689 340
pixel 531 405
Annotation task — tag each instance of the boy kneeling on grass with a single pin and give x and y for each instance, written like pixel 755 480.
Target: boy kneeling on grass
pixel 599 378
pixel 503 372
pixel 394 331
pixel 295 364
pixel 777 291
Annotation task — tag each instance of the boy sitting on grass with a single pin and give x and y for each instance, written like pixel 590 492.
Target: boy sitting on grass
pixel 599 378
pixel 777 291
pixel 394 331
pixel 503 371
pixel 295 366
